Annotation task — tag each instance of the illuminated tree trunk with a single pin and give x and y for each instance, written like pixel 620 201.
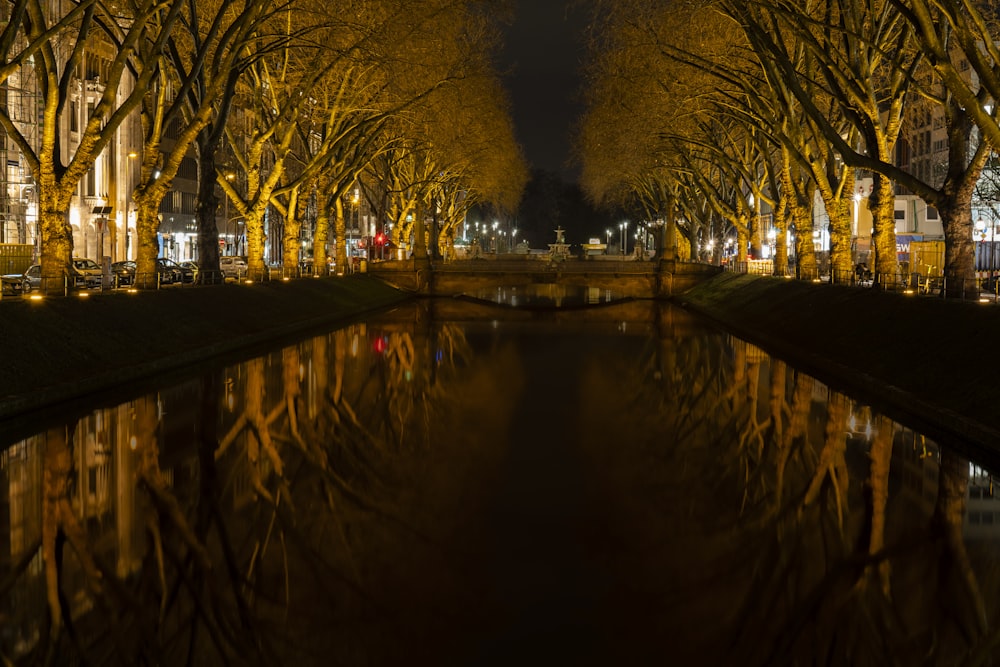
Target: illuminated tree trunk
pixel 292 236
pixel 882 205
pixel 742 238
pixel 57 235
pixel 838 209
pixel 340 231
pixel 258 196
pixel 321 235
pixel 805 250
pixel 147 227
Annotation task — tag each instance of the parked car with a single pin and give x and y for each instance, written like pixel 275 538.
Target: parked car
pixel 193 268
pixel 123 272
pixel 233 267
pixel 13 284
pixel 86 272
pixel 32 279
pixel 181 274
pixel 166 273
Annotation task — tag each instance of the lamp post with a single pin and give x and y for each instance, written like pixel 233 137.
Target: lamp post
pixel 624 228
pixel 607 242
pixel 230 176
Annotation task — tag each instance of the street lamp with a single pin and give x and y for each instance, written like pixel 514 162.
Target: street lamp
pixel 230 176
pixel 607 242
pixel 624 228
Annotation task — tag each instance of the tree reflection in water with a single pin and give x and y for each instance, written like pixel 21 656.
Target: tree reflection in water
pixel 336 501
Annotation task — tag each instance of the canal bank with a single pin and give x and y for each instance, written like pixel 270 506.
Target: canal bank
pixel 63 348
pixel 927 361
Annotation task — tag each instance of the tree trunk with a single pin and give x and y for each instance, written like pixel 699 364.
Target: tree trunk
pixel 959 250
pixel 340 230
pixel 419 241
pixel 147 227
pixel 57 235
pixel 806 267
pixel 882 205
pixel 321 236
pixel 291 237
pixel 206 213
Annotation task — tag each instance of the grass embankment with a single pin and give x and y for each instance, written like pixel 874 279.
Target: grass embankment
pixel 928 360
pixel 62 348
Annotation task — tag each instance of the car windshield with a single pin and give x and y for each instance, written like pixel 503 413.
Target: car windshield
pixel 85 264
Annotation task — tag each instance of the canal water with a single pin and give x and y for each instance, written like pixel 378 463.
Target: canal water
pixel 466 482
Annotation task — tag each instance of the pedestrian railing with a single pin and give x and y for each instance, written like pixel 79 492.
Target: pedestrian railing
pixel 982 290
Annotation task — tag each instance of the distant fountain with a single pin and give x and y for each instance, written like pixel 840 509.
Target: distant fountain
pixel 559 250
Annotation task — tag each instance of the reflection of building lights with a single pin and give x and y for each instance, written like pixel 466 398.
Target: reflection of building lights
pixel 302 372
pixel 852 426
pixel 379 345
pixel 133 443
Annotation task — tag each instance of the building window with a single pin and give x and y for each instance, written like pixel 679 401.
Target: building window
pixel 932 213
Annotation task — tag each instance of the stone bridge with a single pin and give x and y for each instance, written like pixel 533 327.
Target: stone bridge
pixel 627 277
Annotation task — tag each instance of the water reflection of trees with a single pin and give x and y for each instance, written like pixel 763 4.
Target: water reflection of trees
pixel 774 517
pixel 306 493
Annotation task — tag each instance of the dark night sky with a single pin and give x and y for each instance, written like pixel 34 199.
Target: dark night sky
pixel 542 56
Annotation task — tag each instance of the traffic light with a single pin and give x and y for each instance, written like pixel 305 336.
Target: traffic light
pixel 380 239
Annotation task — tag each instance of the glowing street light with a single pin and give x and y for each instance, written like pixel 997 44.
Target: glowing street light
pixel 607 243
pixel 624 228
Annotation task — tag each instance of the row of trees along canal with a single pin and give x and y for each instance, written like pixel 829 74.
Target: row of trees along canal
pixel 701 112
pixel 307 97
